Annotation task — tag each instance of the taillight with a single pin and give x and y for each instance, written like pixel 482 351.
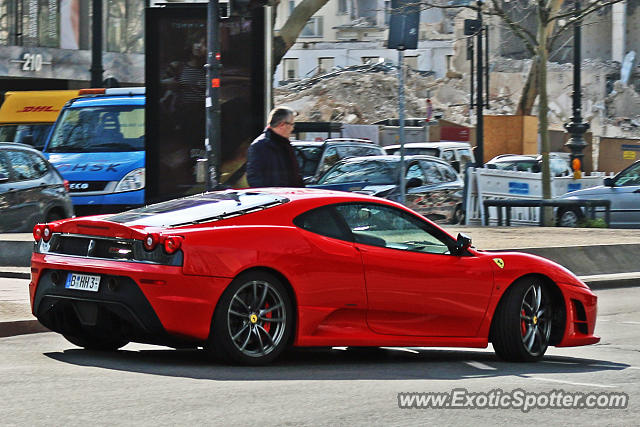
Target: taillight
pixel 37 232
pixel 151 240
pixel 172 244
pixel 66 185
pixel 47 232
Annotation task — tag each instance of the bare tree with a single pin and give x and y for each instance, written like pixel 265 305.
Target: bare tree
pixel 287 35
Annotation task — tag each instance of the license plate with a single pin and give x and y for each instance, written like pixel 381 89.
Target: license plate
pixel 83 282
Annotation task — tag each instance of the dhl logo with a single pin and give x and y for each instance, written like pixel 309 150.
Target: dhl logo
pixel 38 109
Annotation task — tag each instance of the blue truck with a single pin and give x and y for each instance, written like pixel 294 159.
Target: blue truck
pixel 98 145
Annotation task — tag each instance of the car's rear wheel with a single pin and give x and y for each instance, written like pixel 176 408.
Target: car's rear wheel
pixel 569 218
pixel 253 321
pixel 53 215
pixel 522 324
pixel 90 342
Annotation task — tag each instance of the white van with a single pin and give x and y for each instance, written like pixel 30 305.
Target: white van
pixel 457 154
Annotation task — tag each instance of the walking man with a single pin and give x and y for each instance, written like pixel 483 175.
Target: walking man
pixel 271 161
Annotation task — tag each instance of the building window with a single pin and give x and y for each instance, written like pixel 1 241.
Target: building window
pixel 313 27
pixel 4 24
pixel 387 12
pixel 290 67
pixel 325 65
pixel 411 62
pixel 292 5
pixel 125 26
pixel 342 7
pixel 371 59
pixel 48 29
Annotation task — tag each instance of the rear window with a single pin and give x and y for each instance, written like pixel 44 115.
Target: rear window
pixel 308 158
pixel 99 129
pixel 197 209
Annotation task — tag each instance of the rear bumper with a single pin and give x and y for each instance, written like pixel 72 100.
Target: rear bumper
pixel 581 311
pixel 142 302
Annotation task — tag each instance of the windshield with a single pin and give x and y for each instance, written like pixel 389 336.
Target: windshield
pixel 33 135
pixel 197 209
pixel 308 158
pixel 371 171
pixel 99 129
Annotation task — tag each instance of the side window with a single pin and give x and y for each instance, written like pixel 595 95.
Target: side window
pixel 389 227
pixel 415 171
pixel 431 172
pixel 448 173
pixel 22 165
pixel 448 156
pixel 39 165
pixel 322 221
pixel 4 167
pixel 331 157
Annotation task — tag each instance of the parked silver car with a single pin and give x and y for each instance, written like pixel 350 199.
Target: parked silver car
pixel 623 190
pixel 31 189
pixel 433 188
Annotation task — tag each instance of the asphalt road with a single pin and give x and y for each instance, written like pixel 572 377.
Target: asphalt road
pixel 46 381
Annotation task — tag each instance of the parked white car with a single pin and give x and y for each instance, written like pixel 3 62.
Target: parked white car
pixel 457 154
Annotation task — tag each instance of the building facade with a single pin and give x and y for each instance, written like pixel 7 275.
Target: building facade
pixel 46 44
pixel 351 32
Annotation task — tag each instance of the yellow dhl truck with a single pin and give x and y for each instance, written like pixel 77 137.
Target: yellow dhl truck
pixel 27 116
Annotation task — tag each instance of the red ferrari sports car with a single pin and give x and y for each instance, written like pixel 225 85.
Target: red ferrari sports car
pixel 247 273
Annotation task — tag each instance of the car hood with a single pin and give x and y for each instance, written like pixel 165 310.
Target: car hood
pixel 96 166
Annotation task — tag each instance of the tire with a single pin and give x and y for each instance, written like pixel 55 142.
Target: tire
pixel 82 339
pixel 52 215
pixel 458 216
pixel 253 321
pixel 522 323
pixel 569 218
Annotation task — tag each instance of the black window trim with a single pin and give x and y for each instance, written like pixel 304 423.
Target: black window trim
pixel 413 217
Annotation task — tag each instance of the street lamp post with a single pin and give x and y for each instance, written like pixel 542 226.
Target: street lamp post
pixel 576 127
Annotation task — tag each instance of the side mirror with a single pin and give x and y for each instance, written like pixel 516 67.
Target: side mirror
pixel 414 182
pixel 463 242
pixel 609 182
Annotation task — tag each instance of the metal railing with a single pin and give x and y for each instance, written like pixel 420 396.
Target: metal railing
pixel 589 204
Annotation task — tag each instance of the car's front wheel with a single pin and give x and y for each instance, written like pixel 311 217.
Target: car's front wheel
pixel 522 324
pixel 253 321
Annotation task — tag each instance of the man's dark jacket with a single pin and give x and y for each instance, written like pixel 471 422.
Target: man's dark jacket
pixel 271 162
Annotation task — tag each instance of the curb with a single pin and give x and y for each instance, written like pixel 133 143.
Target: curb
pixel 21 327
pixel 15 275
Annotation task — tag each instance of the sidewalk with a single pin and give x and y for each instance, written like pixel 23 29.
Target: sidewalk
pixel 603 258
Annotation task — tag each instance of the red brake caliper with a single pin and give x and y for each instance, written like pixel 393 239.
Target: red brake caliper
pixel 267 325
pixel 523 325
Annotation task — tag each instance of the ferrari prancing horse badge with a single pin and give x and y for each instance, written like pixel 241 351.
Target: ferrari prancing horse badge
pixel 499 262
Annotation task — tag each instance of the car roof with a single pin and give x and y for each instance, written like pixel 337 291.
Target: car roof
pixel 434 144
pixel 512 157
pixel 395 158
pixel 335 141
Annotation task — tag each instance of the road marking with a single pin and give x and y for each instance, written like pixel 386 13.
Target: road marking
pixel 479 365
pixel 631 323
pixel 401 349
pixel 570 382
